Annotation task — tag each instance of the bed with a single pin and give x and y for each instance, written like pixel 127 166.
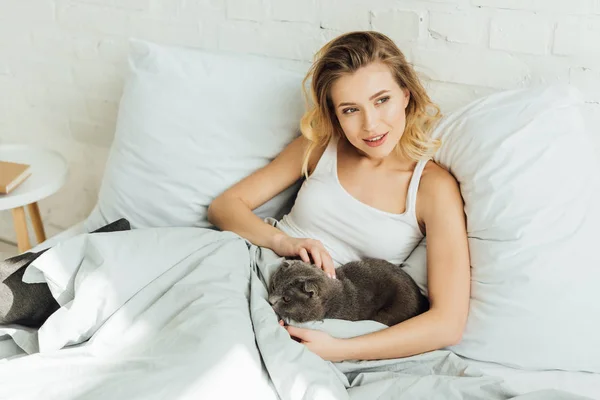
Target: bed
pixel 188 318
pixel 175 309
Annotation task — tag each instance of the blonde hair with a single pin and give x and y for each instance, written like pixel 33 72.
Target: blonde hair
pixel 346 54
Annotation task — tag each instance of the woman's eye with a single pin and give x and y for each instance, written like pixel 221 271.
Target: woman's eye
pixel 349 110
pixel 383 100
pixel 286 299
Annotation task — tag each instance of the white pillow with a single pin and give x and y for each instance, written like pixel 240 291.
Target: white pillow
pixel 192 123
pixel 529 178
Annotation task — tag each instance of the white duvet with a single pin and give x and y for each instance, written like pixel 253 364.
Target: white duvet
pixel 181 313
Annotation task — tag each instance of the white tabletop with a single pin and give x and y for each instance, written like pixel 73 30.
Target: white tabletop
pixel 48 173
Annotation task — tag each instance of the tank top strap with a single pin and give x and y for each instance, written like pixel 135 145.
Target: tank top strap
pixel 413 186
pixel 326 163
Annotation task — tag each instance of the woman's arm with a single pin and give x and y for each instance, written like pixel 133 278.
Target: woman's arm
pixel 232 210
pixel 440 209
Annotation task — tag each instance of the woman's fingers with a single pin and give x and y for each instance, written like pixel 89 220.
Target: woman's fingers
pixel 315 253
pixel 297 333
pixel 304 255
pixel 323 260
pixel 328 266
pixel 313 249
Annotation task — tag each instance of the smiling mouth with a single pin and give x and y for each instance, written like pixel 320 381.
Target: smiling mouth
pixel 374 141
pixel 375 138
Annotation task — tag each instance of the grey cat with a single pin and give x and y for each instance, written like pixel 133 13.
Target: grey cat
pixel 371 289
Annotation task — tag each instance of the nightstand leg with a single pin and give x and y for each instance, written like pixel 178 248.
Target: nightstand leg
pixel 20 221
pixel 36 221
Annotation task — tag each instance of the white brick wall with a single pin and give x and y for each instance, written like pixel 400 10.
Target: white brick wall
pixel 62 62
pixel 521 32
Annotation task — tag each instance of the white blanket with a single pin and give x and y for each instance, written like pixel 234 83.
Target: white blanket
pixel 181 313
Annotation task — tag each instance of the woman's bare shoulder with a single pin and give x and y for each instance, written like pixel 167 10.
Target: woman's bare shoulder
pixel 438 190
pixel 435 176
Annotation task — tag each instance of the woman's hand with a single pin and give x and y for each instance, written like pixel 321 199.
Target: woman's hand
pixel 319 342
pixel 306 249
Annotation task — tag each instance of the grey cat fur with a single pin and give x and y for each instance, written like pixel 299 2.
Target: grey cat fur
pixel 371 289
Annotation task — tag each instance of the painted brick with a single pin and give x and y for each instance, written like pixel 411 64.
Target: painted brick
pixel 28 11
pixel 473 67
pixel 51 40
pixel 93 133
pixel 165 9
pixel 100 110
pixel 102 80
pixel 135 5
pixel 15 38
pixel 241 37
pixel 62 62
pixel 112 49
pixel 510 4
pixel 588 81
pixel 8 104
pixel 203 10
pixel 591 114
pixel 463 27
pixel 577 36
pixel 295 11
pixel 105 3
pixel 557 6
pixel 249 10
pixel 66 102
pixel 450 96
pixel 4 70
pixel 457 2
pixel 37 69
pixel 345 15
pixel 547 70
pixel 86 47
pixel 400 26
pixel 308 40
pixel 169 32
pixel 92 18
pixel 523 33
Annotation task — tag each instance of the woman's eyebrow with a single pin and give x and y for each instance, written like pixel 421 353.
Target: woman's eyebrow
pixel 370 98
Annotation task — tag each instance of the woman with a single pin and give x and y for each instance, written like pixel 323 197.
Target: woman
pixel 371 190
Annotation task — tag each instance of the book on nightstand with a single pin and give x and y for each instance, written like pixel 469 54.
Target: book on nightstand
pixel 12 175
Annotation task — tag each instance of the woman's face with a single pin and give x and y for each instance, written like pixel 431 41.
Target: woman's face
pixel 371 109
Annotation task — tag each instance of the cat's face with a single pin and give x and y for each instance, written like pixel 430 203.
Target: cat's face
pixel 295 291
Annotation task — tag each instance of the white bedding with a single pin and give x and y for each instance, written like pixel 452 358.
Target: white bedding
pixel 523 381
pixel 181 313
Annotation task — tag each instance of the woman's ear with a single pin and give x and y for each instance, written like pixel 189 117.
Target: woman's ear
pixel 406 96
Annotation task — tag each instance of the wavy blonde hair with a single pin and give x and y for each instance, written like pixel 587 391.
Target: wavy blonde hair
pixel 346 54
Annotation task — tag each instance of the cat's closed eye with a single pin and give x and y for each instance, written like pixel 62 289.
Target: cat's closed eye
pixel 286 299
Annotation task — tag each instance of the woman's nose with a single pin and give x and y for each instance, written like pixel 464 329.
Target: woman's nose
pixel 370 120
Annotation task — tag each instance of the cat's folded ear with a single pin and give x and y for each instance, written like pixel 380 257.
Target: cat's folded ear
pixel 311 287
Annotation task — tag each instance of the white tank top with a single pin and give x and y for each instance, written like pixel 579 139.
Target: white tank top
pixel 349 229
